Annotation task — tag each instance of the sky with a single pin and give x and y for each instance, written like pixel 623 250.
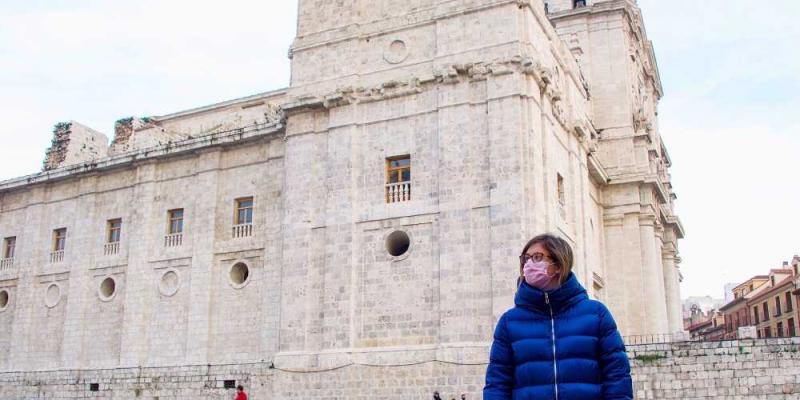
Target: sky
pixel 729 117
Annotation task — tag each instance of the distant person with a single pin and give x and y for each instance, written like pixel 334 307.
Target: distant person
pixel 463 396
pixel 555 343
pixel 436 396
pixel 240 394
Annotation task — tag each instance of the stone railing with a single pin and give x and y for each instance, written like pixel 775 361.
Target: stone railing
pixel 6 263
pixel 110 249
pixel 173 240
pixel 56 256
pixel 398 192
pixel 656 338
pixel 242 230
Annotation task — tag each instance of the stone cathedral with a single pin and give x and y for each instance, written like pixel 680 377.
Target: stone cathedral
pixel 357 233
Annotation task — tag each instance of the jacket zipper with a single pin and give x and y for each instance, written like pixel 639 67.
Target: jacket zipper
pixel 553 336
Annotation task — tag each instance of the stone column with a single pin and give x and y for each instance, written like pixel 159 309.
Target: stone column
pixel 672 289
pixel 655 307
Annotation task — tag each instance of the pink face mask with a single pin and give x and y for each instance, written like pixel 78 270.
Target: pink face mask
pixel 536 275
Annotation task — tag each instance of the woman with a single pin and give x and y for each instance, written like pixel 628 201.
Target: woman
pixel 555 343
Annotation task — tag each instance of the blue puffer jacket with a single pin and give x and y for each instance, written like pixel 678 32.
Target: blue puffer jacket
pixel 557 345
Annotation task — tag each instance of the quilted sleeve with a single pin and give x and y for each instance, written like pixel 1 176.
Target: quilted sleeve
pixel 500 372
pixel 616 369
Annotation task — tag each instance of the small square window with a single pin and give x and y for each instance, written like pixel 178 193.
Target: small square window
pixel 229 384
pixel 114 228
pixel 175 223
pixel 244 211
pixel 9 247
pixel 562 196
pixel 59 239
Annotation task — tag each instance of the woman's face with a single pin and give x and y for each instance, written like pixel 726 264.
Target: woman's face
pixel 552 269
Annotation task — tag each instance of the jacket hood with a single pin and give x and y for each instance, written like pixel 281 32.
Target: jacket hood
pixel 570 292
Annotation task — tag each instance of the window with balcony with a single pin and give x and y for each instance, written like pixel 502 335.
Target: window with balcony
pixel 59 244
pixel 9 248
pixel 755 315
pixel 778 306
pixel 398 179
pixel 765 307
pixel 174 235
pixel 113 236
pixel 243 218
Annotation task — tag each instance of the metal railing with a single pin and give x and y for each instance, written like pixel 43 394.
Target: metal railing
pixel 242 230
pixel 56 256
pixel 173 240
pixel 398 192
pixel 110 249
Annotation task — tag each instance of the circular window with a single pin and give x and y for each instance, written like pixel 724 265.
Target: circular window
pixel 397 52
pixel 3 299
pixel 107 289
pixel 170 282
pixel 397 243
pixel 239 275
pixel 52 295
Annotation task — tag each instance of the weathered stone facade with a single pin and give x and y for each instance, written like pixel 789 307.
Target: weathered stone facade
pixel 514 124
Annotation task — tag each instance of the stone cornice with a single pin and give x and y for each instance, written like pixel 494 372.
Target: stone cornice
pixel 570 119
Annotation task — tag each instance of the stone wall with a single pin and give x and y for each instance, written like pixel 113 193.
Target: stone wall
pixel 745 369
pixel 751 368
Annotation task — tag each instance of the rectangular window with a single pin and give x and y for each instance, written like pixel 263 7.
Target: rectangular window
pixel 578 3
pixel 9 247
pixel 562 196
pixel 778 306
pixel 768 332
pixel 244 211
pixel 789 305
pixel 755 315
pixel 59 239
pixel 175 221
pixel 114 228
pixel 780 330
pixel 398 179
pixel 766 311
pixel 791 327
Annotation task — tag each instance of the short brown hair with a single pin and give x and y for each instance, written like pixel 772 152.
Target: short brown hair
pixel 560 252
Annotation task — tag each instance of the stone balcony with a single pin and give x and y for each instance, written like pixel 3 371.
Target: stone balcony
pixel 173 240
pixel 56 256
pixel 111 249
pixel 398 192
pixel 6 264
pixel 242 230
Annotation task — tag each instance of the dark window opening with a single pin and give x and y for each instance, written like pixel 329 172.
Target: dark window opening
pixel 94 387
pixel 230 384
pixel 578 3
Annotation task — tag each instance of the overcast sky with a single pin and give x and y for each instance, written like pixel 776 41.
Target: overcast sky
pixel 729 117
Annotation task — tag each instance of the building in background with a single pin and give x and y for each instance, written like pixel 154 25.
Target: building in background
pixel 773 310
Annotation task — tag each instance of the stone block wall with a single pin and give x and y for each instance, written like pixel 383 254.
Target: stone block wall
pixel 738 369
pixel 744 369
